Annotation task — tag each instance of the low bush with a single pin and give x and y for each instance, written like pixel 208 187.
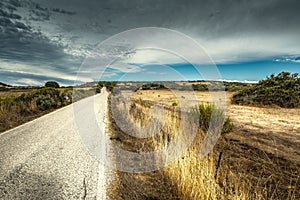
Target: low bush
pixel 52 84
pixel 17 110
pixel 282 90
pixel 174 104
pixel 209 115
pixel 152 86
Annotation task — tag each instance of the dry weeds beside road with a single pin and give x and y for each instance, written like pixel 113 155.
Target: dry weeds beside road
pixel 262 154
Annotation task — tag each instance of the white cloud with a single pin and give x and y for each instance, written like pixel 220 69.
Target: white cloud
pixel 147 56
pixel 157 46
pixel 295 59
pixel 33 70
pixel 240 81
pixel 19 68
pixel 27 81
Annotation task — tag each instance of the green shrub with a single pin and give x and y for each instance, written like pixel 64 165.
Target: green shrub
pixel 52 84
pixel 282 90
pixel 48 98
pixel 98 90
pixel 152 86
pixel 209 115
pixel 45 102
pixel 108 84
pixel 199 87
pixel 17 110
pixel 174 104
pixel 44 99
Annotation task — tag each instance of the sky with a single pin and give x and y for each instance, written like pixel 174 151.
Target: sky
pixel 75 41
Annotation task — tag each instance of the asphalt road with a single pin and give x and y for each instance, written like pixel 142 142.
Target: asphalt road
pixel 45 158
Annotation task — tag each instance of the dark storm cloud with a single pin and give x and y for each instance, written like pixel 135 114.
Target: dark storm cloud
pixel 58 34
pixel 200 16
pixel 9 15
pixel 39 15
pixel 63 11
pixel 21 43
pixel 10 5
pixel 222 27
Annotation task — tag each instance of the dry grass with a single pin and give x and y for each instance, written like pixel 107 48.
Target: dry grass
pixel 276 130
pixel 10 114
pixel 149 185
pixel 15 92
pixel 20 105
pixel 260 160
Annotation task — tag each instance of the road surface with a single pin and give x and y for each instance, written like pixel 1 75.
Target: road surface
pixel 45 158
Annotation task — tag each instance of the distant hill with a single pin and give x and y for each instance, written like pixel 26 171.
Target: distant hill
pixel 4 85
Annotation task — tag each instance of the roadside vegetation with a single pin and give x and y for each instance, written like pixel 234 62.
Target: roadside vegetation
pixel 189 176
pixel 282 90
pixel 201 86
pixel 251 160
pixel 21 104
pixel 108 84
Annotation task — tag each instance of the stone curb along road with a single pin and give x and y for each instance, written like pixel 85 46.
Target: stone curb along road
pixel 46 159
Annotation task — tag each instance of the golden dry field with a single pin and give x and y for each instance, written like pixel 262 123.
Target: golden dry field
pixel 277 129
pixel 14 93
pixel 260 159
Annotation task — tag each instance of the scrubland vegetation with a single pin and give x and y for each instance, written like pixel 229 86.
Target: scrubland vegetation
pixel 187 177
pixel 282 90
pixel 21 104
pixel 256 157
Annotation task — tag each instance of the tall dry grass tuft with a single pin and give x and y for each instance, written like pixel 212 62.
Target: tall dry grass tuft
pixel 194 177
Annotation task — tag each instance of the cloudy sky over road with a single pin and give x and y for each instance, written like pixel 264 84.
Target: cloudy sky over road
pixel 44 40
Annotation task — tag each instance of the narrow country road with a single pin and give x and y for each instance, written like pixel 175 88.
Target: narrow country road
pixel 45 158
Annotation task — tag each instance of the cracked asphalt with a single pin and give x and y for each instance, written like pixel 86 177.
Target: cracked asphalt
pixel 45 158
